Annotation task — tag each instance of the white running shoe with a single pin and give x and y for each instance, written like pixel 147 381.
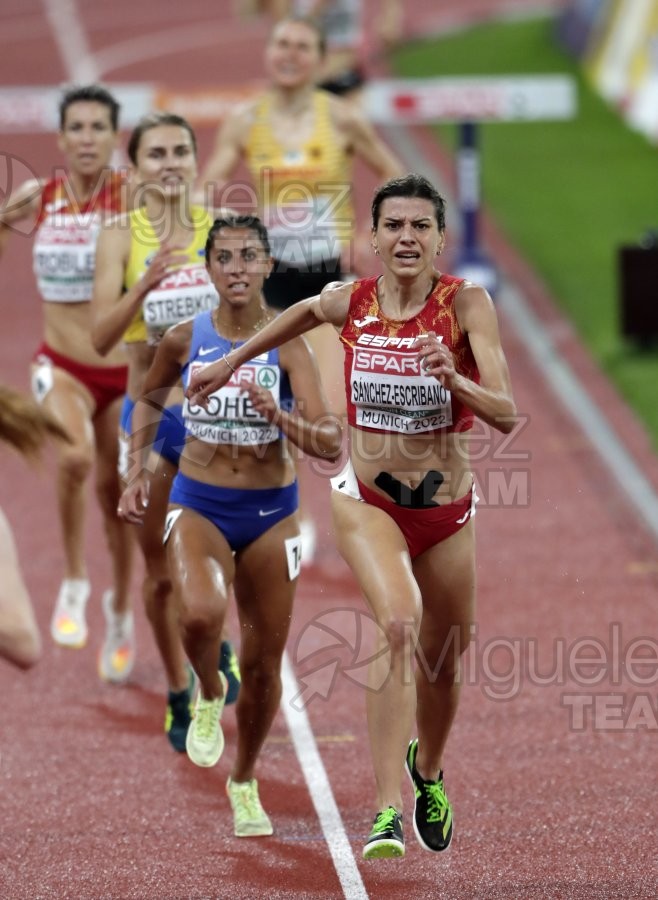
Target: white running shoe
pixel 68 626
pixel 116 657
pixel 249 817
pixel 205 738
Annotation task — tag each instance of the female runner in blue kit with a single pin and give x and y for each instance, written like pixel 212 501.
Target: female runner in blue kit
pixel 233 505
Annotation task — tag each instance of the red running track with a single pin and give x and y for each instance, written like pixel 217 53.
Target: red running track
pixel 94 802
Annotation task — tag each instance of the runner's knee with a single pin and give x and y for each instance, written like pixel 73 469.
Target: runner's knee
pixel 201 619
pixel 401 632
pixel 75 464
pixel 261 670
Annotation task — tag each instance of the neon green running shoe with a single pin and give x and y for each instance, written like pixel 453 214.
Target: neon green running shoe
pixel 205 739
pixel 386 839
pixel 432 811
pixel 249 817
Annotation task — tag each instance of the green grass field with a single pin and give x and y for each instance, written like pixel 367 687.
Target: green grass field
pixel 567 193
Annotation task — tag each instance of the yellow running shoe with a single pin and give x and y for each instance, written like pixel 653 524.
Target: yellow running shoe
pixel 249 817
pixel 205 739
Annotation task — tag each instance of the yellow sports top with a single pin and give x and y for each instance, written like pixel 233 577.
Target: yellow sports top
pixel 304 193
pixel 182 293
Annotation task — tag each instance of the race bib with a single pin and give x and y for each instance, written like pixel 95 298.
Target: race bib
pixel 170 521
pixel 64 256
pixel 182 294
pixel 230 417
pixel 390 392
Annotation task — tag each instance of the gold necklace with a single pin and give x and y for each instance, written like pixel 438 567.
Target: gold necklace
pixel 253 329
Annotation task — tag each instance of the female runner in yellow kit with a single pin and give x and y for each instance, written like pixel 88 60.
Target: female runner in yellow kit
pixel 299 143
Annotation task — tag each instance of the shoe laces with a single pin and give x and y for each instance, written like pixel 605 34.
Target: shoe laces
pixel 438 805
pixel 118 626
pixel 117 630
pixel 248 798
pixel 384 819
pixel 72 604
pixel 207 719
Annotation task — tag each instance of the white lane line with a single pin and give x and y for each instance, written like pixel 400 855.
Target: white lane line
pixel 320 788
pixel 64 20
pixel 558 375
pixel 174 40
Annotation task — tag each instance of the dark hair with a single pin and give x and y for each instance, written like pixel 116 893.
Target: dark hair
pixel 312 23
pixel 411 185
pixel 154 120
pixel 232 220
pixel 89 93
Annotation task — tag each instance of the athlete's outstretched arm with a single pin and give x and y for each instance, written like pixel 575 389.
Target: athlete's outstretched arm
pixel 329 306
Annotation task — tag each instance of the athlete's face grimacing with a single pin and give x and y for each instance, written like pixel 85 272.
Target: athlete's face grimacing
pixel 87 138
pixel 293 55
pixel 407 236
pixel 166 161
pixel 238 266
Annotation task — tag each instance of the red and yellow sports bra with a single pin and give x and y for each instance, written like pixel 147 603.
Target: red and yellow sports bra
pixel 64 254
pixel 386 389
